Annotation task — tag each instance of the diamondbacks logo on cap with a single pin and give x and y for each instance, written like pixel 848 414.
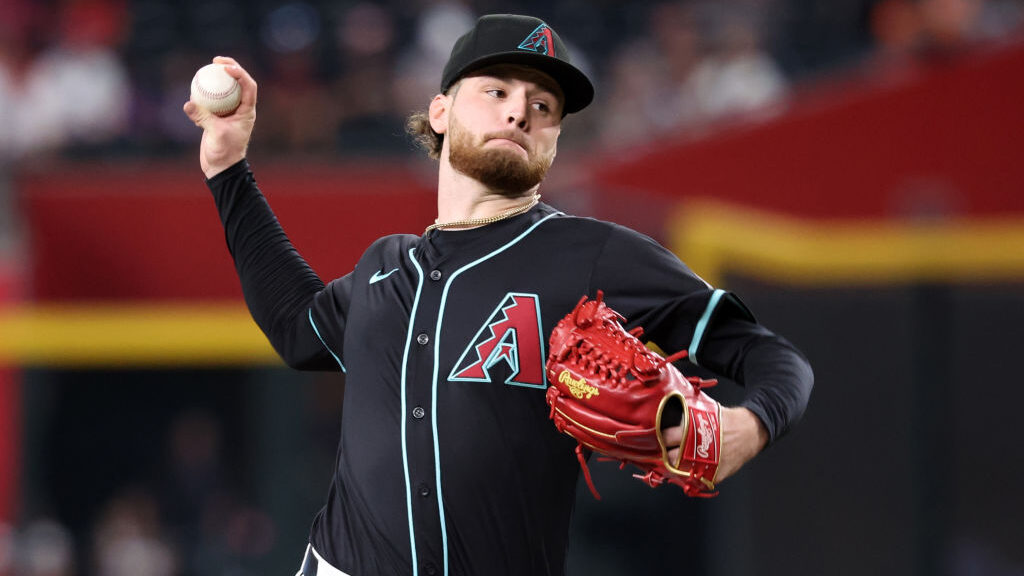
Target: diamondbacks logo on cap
pixel 539 41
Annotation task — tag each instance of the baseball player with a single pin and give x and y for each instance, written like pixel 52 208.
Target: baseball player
pixel 448 462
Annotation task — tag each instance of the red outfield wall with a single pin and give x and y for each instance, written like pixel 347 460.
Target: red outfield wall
pixel 941 136
pixel 152 232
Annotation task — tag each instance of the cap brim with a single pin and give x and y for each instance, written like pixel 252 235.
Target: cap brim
pixel 576 87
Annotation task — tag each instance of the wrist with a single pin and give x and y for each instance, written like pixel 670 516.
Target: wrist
pixel 213 169
pixel 747 428
pixel 743 437
pixel 228 171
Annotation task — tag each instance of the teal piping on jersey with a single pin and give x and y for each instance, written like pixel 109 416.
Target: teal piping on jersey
pixel 433 395
pixel 405 414
pixel 702 325
pixel 326 347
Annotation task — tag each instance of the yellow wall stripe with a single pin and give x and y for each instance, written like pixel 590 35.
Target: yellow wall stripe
pixel 135 335
pixel 715 239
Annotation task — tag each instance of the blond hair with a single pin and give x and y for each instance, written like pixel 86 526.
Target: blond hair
pixel 418 126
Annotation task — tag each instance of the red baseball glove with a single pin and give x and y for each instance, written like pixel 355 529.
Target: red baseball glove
pixel 615 397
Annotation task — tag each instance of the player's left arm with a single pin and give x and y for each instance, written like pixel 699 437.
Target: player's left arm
pixel 777 379
pixel 636 272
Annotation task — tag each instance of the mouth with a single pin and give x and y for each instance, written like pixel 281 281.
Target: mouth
pixel 509 141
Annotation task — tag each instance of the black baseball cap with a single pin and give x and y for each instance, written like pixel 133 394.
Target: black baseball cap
pixel 514 39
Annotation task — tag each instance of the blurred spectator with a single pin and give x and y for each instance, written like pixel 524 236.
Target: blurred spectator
pixel 1000 19
pixel 160 127
pixel 702 64
pixel 950 24
pixel 683 45
pixel 299 114
pixel 193 486
pixel 369 121
pixel 75 92
pixel 45 548
pixel 212 530
pixel 417 69
pixel 20 40
pixel 634 109
pixel 195 475
pixel 6 549
pixel 896 28
pixel 736 77
pixel 129 538
pixel 968 557
pixel 905 31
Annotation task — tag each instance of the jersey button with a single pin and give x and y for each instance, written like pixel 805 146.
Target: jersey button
pixel 430 569
pixel 424 490
pixel 418 413
pixel 435 275
pixel 423 339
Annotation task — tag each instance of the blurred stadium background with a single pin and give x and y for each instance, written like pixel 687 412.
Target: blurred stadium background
pixel 852 168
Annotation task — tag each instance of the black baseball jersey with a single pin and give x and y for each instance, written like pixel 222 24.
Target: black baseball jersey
pixel 448 462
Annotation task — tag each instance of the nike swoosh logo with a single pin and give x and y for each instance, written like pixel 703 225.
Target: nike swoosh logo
pixel 377 276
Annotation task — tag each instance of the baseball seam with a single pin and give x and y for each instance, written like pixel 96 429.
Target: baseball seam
pixel 213 95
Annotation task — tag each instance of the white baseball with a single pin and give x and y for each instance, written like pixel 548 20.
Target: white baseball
pixel 216 90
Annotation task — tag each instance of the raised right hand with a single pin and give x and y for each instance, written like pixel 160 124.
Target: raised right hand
pixel 225 138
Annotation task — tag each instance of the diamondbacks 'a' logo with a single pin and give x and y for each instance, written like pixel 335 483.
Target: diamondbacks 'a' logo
pixel 512 334
pixel 540 41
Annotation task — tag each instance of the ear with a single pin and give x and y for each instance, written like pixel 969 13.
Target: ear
pixel 438 113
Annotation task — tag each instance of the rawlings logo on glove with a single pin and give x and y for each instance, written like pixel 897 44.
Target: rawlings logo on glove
pixel 616 397
pixel 578 387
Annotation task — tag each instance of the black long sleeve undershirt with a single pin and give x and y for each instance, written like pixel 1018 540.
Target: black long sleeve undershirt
pixel 277 283
pixel 778 382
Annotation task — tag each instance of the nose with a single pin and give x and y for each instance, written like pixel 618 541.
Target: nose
pixel 518 112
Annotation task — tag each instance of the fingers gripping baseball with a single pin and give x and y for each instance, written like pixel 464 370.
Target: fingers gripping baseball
pixel 225 138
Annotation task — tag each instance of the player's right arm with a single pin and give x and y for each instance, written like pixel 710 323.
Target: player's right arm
pixel 226 138
pixel 279 286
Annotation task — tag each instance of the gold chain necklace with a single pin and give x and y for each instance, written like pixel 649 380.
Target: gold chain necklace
pixel 483 221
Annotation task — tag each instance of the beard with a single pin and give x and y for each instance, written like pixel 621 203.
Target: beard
pixel 503 171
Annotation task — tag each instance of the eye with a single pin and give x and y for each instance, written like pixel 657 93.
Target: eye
pixel 496 93
pixel 542 107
